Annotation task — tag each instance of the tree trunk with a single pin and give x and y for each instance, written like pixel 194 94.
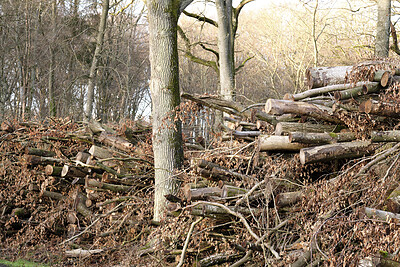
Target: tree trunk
pixel 383 29
pixel 287 127
pixel 164 86
pixel 52 102
pixel 96 56
pixel 323 76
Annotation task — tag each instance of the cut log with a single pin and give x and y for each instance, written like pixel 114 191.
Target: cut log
pixel 335 151
pixel 53 170
pixel 37 160
pixel 111 187
pixel 322 90
pixel 380 108
pixel 323 76
pixel 357 91
pixel 393 201
pixel 381 76
pixel 321 138
pixel 73 171
pixel 288 198
pixel 115 141
pixel 206 193
pixel 278 143
pixel 386 136
pixel 279 107
pixel 216 212
pixel 383 215
pixel 287 127
pixel 39 152
pixel 232 191
pixel 82 156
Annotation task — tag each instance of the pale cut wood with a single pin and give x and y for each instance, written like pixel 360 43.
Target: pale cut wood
pixel 53 170
pixel 383 215
pixel 82 156
pixel 323 76
pixel 287 127
pixel 100 153
pixel 278 143
pixel 321 138
pixel 322 90
pixel 279 107
pixel 386 136
pixel 335 151
pixel 115 141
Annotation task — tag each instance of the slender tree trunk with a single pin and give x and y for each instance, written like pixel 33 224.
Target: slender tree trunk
pixel 92 74
pixel 226 66
pixel 164 86
pixel 52 103
pixel 383 29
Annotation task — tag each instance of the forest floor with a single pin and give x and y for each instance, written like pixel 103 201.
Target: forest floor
pixel 95 214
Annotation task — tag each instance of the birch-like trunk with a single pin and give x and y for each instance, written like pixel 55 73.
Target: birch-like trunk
pixel 383 29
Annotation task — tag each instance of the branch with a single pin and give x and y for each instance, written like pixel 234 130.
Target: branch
pixel 187 241
pixel 236 12
pixel 242 64
pixel 184 4
pixel 201 18
pixel 210 50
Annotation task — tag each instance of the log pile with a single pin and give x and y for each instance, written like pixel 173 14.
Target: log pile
pixel 313 179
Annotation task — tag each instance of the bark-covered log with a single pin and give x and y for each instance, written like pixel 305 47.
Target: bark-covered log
pixel 279 107
pixel 206 193
pixel 321 138
pixel 111 187
pixel 322 90
pixel 380 108
pixel 383 215
pixel 393 201
pixel 356 91
pixel 335 151
pixel 39 152
pixel 232 191
pixel 219 259
pixel 214 171
pixel 73 171
pixel 132 180
pixel 287 127
pixel 115 141
pixel 53 170
pixel 37 160
pixel 381 76
pixel 216 212
pixel 278 143
pixel 323 76
pixel 386 136
pixel 288 198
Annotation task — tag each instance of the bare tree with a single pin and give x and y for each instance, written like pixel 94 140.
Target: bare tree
pixel 163 18
pixel 99 44
pixel 383 28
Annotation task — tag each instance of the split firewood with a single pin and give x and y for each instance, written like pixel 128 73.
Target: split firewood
pixel 321 138
pixel 335 151
pixel 323 76
pixel 279 107
pixel 278 143
pixel 287 127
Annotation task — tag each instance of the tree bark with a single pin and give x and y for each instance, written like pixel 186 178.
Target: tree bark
pixel 386 136
pixel 380 108
pixel 383 28
pixel 320 138
pixel 323 76
pixel 96 57
pixel 278 143
pixel 279 107
pixel 287 127
pixel 335 151
pixel 164 86
pixel 356 91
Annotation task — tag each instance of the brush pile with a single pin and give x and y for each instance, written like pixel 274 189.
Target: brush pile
pixel 311 180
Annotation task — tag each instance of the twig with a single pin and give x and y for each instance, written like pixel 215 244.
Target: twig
pixel 246 196
pixel 187 241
